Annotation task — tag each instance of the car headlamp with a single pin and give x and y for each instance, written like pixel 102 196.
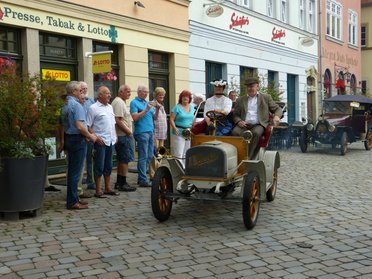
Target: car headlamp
pixel 309 127
pixel 331 128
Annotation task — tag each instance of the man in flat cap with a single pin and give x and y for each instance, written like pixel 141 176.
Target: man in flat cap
pixel 252 112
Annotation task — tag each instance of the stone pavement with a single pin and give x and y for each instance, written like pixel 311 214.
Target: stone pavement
pixel 319 226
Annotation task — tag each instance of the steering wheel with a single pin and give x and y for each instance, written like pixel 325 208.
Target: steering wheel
pixel 213 115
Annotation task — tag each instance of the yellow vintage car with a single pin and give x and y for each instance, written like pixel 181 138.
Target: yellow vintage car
pixel 218 168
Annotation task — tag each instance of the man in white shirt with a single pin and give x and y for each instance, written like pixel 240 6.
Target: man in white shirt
pixel 101 122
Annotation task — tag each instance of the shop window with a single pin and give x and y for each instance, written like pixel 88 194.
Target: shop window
pixel 57 47
pixel 213 71
pixel 10 46
pixel 110 79
pixel 159 75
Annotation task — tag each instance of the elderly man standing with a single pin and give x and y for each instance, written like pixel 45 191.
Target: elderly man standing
pixel 125 144
pixel 101 121
pixel 143 117
pixel 87 102
pixel 252 112
pixel 75 142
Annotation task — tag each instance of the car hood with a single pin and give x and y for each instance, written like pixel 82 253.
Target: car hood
pixel 336 119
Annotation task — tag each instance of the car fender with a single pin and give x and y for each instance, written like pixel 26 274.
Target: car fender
pixel 175 168
pixel 259 167
pixel 272 162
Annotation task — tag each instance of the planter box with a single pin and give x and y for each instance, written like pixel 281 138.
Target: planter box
pixel 22 183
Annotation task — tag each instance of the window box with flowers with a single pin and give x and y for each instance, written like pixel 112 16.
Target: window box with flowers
pixel 109 79
pixel 28 114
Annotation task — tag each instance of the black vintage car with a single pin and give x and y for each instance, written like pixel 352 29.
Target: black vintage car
pixel 345 119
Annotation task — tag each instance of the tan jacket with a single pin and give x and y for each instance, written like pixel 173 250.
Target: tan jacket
pixel 265 105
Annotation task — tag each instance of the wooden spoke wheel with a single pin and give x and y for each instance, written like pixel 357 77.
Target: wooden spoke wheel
pixel 251 200
pixel 368 142
pixel 343 143
pixel 161 185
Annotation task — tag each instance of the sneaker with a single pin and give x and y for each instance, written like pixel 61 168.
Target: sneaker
pixel 116 186
pixel 126 188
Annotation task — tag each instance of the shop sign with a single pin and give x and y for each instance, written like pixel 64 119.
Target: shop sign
pixel 56 74
pixel 19 16
pixel 214 11
pixel 101 63
pixel 277 35
pixel 238 22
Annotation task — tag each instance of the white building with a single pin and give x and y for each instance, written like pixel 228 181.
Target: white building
pixel 237 38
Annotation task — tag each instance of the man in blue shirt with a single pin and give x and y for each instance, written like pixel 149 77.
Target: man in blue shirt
pixel 75 142
pixel 88 101
pixel 142 113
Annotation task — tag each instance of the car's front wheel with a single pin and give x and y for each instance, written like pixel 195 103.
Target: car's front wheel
pixel 368 141
pixel 343 143
pixel 251 199
pixel 161 185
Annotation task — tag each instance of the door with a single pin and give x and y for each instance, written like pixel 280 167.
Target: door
pixel 291 96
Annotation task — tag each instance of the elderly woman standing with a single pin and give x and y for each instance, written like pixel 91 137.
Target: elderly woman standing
pixel 160 127
pixel 160 117
pixel 181 118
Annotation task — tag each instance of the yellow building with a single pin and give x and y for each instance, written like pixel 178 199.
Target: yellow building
pixel 148 39
pixel 366 44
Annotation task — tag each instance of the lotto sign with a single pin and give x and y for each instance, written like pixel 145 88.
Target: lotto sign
pixel 56 74
pixel 101 63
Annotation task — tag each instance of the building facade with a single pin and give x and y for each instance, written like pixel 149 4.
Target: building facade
pixel 149 46
pixel 366 46
pixel 238 38
pixel 340 63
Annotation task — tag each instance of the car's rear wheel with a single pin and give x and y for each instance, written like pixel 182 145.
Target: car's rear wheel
pixel 251 199
pixel 368 141
pixel 271 193
pixel 343 143
pixel 303 140
pixel 161 185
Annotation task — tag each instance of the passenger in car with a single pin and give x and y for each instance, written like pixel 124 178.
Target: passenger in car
pixel 221 104
pixel 252 112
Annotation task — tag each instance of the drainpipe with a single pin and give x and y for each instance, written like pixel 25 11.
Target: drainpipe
pixel 320 51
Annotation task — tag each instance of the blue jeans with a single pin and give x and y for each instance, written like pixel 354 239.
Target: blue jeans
pixel 89 180
pixel 102 160
pixel 145 146
pixel 76 147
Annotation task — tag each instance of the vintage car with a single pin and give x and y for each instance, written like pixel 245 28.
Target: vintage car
pixel 345 119
pixel 218 168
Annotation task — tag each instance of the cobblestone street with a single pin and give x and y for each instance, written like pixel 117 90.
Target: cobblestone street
pixel 319 226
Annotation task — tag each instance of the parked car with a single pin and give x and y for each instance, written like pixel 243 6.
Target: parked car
pixel 345 119
pixel 218 168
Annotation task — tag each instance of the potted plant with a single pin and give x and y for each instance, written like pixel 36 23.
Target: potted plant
pixel 28 115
